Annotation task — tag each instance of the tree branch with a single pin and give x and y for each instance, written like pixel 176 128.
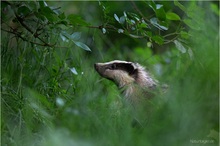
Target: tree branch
pixel 136 8
pixel 24 39
pixel 31 31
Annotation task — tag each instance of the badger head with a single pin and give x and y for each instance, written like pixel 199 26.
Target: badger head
pixel 120 72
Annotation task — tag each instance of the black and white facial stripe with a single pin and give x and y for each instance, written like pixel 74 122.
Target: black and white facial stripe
pixel 127 67
pixel 104 69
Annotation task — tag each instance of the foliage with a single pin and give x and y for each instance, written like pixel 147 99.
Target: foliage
pixel 37 23
pixel 51 95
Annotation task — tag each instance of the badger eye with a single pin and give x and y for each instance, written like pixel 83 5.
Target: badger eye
pixel 114 66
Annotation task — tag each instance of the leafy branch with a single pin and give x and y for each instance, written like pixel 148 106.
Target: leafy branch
pixel 35 34
pixel 44 19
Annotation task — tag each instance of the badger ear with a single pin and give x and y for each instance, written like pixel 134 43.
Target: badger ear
pixel 133 68
pixel 135 65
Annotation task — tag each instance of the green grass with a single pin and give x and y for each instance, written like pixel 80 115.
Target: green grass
pixel 43 103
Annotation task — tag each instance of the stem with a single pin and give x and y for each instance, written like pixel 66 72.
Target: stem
pixel 174 33
pixel 35 43
pixel 31 31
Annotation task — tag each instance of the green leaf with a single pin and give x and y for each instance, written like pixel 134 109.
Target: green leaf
pixel 82 45
pixel 76 20
pixel 65 34
pixel 59 101
pixel 176 3
pixel 135 36
pixel 73 70
pixel 33 6
pixel 125 15
pixel 46 10
pixel 158 39
pixel 122 20
pixel 179 46
pixel 190 52
pixel 184 34
pixel 23 10
pixel 64 38
pixel 116 17
pixel 160 13
pixel 134 16
pixel 120 31
pixel 152 5
pixel 149 44
pixel 155 22
pixel 62 16
pixel 65 23
pixel 103 30
pixel 159 10
pixel 172 16
pixel 49 14
pixel 43 4
pixel 143 25
pixel 148 33
pixel 75 36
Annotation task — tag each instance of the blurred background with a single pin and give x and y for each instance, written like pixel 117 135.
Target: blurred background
pixel 51 94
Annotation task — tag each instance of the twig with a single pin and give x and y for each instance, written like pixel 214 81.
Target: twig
pixel 171 34
pixel 24 39
pixel 169 41
pixel 101 26
pixel 31 31
pixel 136 8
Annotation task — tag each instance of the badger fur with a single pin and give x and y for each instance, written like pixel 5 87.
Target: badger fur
pixel 131 78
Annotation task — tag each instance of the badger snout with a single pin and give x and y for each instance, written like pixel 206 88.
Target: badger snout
pixel 97 67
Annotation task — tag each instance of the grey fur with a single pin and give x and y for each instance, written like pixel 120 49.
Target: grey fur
pixel 134 81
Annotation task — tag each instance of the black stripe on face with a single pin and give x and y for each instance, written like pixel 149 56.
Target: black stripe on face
pixel 127 67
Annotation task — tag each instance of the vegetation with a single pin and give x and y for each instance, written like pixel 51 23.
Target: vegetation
pixel 51 94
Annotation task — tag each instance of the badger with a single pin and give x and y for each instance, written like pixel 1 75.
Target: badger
pixel 131 78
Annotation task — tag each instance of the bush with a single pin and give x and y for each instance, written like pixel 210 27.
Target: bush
pixel 51 95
